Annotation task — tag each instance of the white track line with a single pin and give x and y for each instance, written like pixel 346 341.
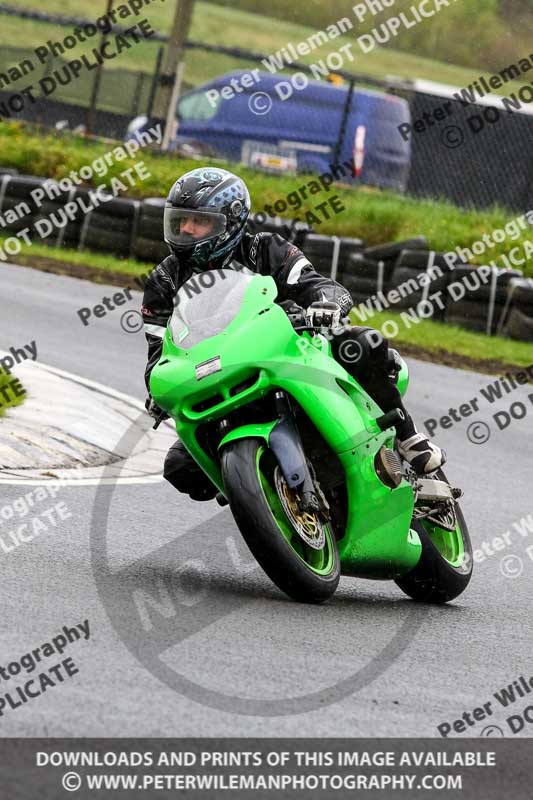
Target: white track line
pixel 79 481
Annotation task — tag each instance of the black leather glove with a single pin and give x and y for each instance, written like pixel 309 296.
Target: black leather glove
pixel 323 314
pixel 154 410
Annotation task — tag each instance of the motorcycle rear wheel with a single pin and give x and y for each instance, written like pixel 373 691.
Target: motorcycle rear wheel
pixel 445 566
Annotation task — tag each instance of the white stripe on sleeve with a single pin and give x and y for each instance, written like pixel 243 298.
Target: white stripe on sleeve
pixel 296 270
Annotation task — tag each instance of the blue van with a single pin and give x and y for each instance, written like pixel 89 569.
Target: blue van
pixel 298 122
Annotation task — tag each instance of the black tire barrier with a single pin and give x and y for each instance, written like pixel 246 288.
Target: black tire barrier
pixel 473 315
pixel 411 283
pixel 471 309
pixel 351 245
pixel 24 211
pixel 505 277
pixel 150 228
pixel 358 284
pixel 153 207
pixel 112 242
pixel 115 221
pixel 44 207
pixel 100 221
pixel 18 225
pixel 391 250
pixel 150 223
pixel 23 185
pixel 361 298
pixel 522 305
pixel 292 230
pixel 521 291
pixel 118 208
pixel 298 233
pixel 405 281
pixel 421 259
pixel 49 237
pixel 150 250
pixel 462 270
pixel 358 265
pixel 519 326
pixel 466 276
pixel 414 277
pixel 320 250
pixel 98 238
pixel 48 207
pixel 40 214
pixel 269 225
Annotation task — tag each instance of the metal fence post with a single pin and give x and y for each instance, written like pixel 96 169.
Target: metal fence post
pixel 155 82
pixel 97 78
pixel 344 120
pixel 137 93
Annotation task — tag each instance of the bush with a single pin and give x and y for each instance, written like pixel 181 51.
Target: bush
pixel 5 380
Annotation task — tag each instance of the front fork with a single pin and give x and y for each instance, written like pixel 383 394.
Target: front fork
pixel 286 444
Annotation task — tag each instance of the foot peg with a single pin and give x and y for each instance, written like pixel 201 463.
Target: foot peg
pixel 390 419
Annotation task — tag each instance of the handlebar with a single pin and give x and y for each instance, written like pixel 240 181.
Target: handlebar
pixel 161 418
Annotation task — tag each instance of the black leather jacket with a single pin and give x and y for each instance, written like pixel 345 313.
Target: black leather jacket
pixel 264 253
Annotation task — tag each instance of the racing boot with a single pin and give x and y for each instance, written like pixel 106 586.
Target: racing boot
pixel 421 454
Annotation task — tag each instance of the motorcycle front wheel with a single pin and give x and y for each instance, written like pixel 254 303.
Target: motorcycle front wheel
pixel 296 549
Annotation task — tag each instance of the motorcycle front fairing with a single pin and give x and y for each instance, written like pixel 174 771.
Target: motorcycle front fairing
pixel 230 344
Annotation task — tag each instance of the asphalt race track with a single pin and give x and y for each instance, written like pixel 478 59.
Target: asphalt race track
pixel 189 638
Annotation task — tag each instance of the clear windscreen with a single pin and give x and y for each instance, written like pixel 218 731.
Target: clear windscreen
pixel 206 304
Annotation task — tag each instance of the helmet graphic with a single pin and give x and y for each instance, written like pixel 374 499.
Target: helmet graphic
pixel 205 216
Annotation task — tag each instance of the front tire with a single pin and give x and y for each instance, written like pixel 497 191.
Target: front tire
pixel 445 566
pixel 304 573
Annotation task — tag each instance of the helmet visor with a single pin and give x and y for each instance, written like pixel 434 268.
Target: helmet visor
pixel 185 227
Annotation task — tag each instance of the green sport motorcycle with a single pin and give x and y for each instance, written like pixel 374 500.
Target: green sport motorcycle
pixel 302 454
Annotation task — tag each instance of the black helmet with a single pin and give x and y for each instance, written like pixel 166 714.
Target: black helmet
pixel 214 204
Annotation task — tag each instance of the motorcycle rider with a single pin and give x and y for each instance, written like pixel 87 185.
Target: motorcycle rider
pixel 204 226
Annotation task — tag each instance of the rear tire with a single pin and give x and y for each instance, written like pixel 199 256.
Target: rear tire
pixel 437 579
pixel 248 470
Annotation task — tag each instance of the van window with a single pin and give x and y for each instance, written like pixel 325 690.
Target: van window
pixel 197 107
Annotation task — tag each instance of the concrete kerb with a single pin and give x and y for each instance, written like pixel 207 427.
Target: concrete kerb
pixel 72 439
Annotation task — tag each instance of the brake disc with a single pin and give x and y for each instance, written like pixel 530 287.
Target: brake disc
pixel 308 526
